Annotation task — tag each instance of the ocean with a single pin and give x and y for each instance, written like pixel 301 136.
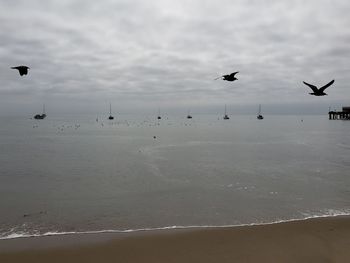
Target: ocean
pixel 76 174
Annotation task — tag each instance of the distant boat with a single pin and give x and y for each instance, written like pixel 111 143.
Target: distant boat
pixel 226 117
pixel 110 112
pixel 259 117
pixel 41 116
pixel 189 115
pixel 159 117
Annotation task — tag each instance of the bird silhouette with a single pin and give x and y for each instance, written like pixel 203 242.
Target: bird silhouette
pixel 320 91
pixel 230 77
pixel 23 70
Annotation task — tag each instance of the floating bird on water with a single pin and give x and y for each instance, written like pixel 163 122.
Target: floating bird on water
pixel 23 70
pixel 230 77
pixel 320 91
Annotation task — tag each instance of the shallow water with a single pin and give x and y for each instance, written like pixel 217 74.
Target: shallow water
pixel 74 174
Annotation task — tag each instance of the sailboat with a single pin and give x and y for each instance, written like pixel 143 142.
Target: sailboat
pixel 226 117
pixel 259 117
pixel 110 112
pixel 41 116
pixel 159 117
pixel 188 115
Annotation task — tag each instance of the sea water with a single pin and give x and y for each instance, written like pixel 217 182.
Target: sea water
pixel 82 174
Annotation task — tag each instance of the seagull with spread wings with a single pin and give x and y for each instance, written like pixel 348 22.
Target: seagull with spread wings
pixel 23 70
pixel 320 91
pixel 230 77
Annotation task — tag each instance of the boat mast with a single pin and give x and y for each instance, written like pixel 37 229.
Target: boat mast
pixel 259 117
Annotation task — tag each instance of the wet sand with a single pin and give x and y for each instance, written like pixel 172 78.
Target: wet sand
pixel 313 240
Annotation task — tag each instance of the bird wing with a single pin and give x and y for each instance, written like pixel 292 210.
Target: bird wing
pixel 314 88
pixel 326 86
pixel 223 77
pixel 234 73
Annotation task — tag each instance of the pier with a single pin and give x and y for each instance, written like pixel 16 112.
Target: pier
pixel 340 115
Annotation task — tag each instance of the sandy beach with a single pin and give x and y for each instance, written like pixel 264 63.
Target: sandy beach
pixel 312 240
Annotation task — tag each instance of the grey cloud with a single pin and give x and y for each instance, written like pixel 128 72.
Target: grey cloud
pixel 139 51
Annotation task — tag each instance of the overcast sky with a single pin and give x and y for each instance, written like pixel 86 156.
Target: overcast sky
pixel 141 55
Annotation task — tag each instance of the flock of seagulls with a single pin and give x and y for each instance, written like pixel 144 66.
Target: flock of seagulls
pixel 23 70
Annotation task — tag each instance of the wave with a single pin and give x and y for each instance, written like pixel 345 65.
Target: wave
pixel 321 214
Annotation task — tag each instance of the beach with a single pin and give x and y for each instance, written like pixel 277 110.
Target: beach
pixel 312 240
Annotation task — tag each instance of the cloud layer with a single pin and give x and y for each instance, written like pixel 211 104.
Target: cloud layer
pixel 145 54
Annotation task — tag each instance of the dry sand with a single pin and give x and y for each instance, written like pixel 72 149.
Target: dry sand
pixel 313 240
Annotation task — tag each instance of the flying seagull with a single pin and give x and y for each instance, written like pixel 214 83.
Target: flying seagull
pixel 23 70
pixel 320 91
pixel 230 77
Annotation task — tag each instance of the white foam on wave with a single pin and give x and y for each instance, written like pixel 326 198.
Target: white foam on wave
pixel 326 213
pixel 322 214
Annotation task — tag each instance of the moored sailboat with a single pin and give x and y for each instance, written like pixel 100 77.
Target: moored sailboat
pixel 226 117
pixel 189 116
pixel 41 116
pixel 159 117
pixel 259 117
pixel 110 112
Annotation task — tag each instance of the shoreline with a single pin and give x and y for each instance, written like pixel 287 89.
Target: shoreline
pixel 322 239
pixel 166 228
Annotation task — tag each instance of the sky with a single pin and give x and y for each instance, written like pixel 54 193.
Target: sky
pixel 144 55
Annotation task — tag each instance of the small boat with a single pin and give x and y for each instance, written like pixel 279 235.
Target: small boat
pixel 41 116
pixel 259 117
pixel 189 115
pixel 110 112
pixel 159 117
pixel 226 117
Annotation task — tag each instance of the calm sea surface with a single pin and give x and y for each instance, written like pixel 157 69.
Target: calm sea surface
pixel 73 174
